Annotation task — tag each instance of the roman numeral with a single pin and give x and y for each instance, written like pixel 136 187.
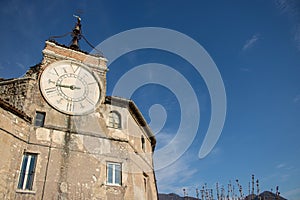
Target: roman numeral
pixel 76 68
pixel 54 73
pixel 59 101
pixel 92 83
pixel 51 91
pixel 90 101
pixel 81 105
pixel 50 81
pixel 70 106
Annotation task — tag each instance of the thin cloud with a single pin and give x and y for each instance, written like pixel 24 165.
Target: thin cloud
pixel 216 151
pixel 20 65
pixel 296 98
pixel 296 33
pixel 164 138
pixel 177 172
pixel 293 194
pixel 287 6
pixel 250 43
pixel 281 165
pixel 291 9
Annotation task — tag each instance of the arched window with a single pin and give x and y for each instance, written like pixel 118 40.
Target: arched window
pixel 114 120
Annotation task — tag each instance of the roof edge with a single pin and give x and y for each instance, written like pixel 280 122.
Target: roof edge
pixel 76 50
pixel 134 110
pixel 10 108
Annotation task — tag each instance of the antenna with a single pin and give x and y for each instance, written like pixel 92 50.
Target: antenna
pixel 197 193
pixel 233 193
pixel 252 193
pixel 240 189
pixel 277 192
pixel 218 194
pixel 222 192
pixel 249 188
pixel 202 193
pixel 206 191
pixel 257 186
pixel 230 190
pixel 211 195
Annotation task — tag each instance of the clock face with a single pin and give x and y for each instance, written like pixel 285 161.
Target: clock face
pixel 70 87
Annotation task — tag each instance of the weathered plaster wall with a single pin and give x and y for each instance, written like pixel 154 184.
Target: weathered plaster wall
pixel 72 150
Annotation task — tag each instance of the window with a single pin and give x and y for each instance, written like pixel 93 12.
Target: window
pixel 143 143
pixel 114 120
pixel 39 119
pixel 145 181
pixel 114 173
pixel 145 184
pixel 27 171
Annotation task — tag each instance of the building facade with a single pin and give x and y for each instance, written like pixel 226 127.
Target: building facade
pixel 61 137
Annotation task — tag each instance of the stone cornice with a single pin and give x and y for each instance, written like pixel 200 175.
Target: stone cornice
pixel 10 108
pixel 89 60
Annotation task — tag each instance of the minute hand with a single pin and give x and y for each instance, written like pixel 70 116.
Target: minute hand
pixel 72 87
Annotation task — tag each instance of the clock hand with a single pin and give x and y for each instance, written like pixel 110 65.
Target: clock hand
pixel 72 87
pixel 65 86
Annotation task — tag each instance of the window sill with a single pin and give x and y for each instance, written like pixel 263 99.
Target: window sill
pixel 113 185
pixel 116 128
pixel 25 191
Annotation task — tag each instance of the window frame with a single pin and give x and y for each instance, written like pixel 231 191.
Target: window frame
pixel 143 143
pixel 145 180
pixel 114 171
pixel 27 171
pixel 37 121
pixel 114 120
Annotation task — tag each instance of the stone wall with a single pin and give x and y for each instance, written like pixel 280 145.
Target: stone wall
pixel 72 151
pixel 14 134
pixel 71 165
pixel 16 91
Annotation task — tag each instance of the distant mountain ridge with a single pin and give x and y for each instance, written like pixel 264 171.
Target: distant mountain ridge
pixel 263 195
pixel 173 196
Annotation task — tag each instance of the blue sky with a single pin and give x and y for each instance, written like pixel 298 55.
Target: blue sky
pixel 256 47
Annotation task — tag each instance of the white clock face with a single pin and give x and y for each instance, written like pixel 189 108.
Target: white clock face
pixel 70 87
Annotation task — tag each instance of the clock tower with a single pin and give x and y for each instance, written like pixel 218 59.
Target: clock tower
pixel 61 137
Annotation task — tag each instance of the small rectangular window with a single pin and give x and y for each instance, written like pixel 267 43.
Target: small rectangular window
pixel 39 119
pixel 143 143
pixel 114 174
pixel 114 120
pixel 27 171
pixel 145 181
pixel 145 184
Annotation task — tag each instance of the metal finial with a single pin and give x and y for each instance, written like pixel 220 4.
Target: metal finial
pixel 76 34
